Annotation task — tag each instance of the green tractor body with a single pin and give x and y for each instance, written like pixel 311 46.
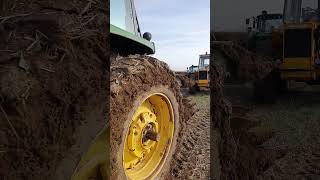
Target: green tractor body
pixel 125 31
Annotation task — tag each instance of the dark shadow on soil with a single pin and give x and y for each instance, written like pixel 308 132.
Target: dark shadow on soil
pixel 254 159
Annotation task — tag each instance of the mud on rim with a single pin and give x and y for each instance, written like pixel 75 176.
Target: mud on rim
pixel 149 137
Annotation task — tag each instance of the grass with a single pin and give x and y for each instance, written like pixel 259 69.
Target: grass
pixel 202 98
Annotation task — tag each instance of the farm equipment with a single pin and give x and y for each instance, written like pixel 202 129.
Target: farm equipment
pixel 301 43
pixel 191 70
pixel 301 56
pixel 144 124
pixel 202 79
pixel 264 23
pixel 264 33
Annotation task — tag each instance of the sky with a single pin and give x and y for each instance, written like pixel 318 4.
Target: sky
pixel 180 29
pixel 230 15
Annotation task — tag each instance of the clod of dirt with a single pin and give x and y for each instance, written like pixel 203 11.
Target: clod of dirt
pixel 184 80
pixel 53 79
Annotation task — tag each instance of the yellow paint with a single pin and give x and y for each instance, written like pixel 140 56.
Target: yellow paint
pixel 303 66
pixel 94 161
pixel 143 160
pixel 300 25
pixel 203 83
pixel 303 63
pixel 297 75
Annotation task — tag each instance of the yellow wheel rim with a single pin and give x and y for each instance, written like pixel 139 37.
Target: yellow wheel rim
pixel 149 138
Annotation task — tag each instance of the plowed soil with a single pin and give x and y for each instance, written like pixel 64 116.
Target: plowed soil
pixel 192 158
pixel 280 141
pixel 274 141
pixel 235 152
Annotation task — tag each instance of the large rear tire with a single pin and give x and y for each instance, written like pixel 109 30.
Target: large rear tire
pixel 142 85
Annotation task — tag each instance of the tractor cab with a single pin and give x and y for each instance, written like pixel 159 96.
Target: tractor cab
pixel 301 42
pixel 300 61
pixel 267 22
pixel 203 70
pixel 264 23
pixel 192 69
pixel 264 33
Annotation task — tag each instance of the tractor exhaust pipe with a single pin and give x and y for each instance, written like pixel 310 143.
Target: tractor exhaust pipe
pixel 292 11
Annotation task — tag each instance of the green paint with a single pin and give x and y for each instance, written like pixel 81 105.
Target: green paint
pixel 131 37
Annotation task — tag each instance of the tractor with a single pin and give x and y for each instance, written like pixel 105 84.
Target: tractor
pixel 191 71
pixel 301 43
pixel 301 56
pixel 264 33
pixel 201 76
pixel 144 123
pixel 203 71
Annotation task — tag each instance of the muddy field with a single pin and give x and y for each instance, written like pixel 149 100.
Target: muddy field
pixel 276 141
pixel 192 158
pixel 270 141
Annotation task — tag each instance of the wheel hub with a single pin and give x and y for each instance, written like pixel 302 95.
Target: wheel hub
pixel 141 132
pixel 149 138
pixel 150 134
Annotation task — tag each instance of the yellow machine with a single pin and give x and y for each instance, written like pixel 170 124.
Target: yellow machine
pixel 300 52
pixel 300 42
pixel 301 56
pixel 202 77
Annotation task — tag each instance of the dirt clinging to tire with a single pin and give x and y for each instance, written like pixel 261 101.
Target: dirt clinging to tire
pixel 53 76
pixel 130 77
pixel 185 80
